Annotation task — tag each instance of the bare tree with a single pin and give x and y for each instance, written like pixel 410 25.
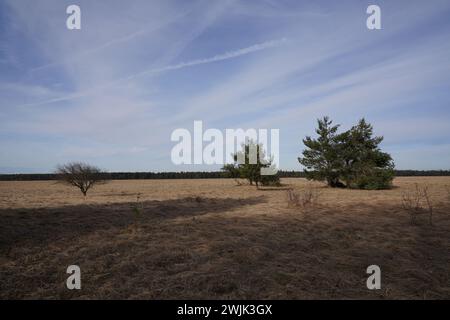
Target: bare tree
pixel 80 175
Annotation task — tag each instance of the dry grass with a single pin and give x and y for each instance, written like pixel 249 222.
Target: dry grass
pixel 210 239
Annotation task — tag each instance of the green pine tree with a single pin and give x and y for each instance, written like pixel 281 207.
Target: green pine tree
pixel 352 159
pixel 248 163
pixel 321 158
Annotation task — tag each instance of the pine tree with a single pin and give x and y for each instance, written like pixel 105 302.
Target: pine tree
pixel 321 158
pixel 249 162
pixel 353 157
pixel 365 166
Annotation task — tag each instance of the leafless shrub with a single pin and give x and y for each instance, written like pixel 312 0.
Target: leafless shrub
pixel 197 199
pixel 418 202
pixel 293 198
pixel 305 199
pixel 80 175
pixel 138 207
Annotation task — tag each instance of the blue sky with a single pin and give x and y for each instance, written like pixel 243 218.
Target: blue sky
pixel 111 93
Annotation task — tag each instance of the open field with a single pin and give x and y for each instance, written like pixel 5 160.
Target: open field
pixel 200 239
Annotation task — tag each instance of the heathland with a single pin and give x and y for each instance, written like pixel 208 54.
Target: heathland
pixel 209 238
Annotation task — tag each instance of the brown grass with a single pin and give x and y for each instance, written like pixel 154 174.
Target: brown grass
pixel 211 239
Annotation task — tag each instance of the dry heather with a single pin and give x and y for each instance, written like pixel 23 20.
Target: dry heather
pixel 150 239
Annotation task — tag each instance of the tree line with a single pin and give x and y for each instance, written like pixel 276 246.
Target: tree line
pixel 200 175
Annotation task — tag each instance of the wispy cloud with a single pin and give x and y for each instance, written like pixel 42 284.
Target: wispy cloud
pixel 220 57
pixel 111 43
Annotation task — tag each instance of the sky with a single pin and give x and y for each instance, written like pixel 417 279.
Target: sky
pixel 112 92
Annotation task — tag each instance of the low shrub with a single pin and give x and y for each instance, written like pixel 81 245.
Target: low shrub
pixel 377 179
pixel 417 202
pixel 305 199
pixel 271 180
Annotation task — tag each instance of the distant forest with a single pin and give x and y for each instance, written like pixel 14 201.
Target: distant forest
pixel 196 175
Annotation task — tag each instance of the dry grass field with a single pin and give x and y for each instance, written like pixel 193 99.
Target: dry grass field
pixel 198 239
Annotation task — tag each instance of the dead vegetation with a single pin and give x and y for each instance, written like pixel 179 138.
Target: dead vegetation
pixel 138 211
pixel 305 199
pixel 417 202
pixel 207 239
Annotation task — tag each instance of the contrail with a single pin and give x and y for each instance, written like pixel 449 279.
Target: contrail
pixel 216 58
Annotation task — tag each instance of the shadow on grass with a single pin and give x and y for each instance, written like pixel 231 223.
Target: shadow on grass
pixel 280 254
pixel 43 225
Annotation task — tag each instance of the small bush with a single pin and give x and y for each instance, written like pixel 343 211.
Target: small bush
pixel 293 198
pixel 232 171
pixel 271 180
pixel 375 180
pixel 305 199
pixel 197 199
pixel 418 202
pixel 138 208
